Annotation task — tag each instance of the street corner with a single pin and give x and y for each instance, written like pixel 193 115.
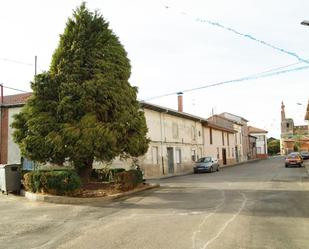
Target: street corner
pixel 83 200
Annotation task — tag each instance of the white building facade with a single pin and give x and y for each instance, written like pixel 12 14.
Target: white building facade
pixel 261 141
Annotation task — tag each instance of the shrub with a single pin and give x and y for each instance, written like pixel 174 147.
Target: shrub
pixel 115 171
pixel 58 182
pixel 23 172
pixel 129 179
pixel 105 174
pixel 27 182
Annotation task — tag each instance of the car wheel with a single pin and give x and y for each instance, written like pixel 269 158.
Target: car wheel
pixel 286 166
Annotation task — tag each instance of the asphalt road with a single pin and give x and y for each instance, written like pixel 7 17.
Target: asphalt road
pixel 254 205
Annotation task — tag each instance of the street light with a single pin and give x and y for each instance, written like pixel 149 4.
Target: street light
pixel 305 22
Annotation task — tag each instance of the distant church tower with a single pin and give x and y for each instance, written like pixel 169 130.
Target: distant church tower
pixel 282 111
pixel 287 124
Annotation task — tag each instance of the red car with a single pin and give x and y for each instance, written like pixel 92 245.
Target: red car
pixel 294 159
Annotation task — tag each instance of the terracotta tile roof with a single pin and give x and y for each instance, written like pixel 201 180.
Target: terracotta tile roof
pixel 256 130
pixel 16 99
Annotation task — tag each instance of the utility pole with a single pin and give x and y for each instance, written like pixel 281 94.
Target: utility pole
pixel 35 67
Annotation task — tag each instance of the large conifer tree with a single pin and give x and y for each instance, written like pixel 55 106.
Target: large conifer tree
pixel 83 109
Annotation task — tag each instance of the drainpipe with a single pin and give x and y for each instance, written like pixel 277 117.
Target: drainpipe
pixel 203 138
pixel 161 132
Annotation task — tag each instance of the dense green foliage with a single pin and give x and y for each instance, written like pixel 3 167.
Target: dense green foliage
pixel 129 179
pixel 296 146
pixel 273 147
pixel 83 109
pixel 52 181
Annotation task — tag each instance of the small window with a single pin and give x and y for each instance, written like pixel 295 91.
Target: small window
pixel 218 153
pixel 260 138
pixel 228 139
pixel 155 155
pixel 287 125
pixel 178 156
pixel 232 152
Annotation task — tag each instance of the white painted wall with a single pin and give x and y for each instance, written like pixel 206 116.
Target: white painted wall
pixel 217 144
pixel 261 142
pixel 164 130
pixel 13 149
pixel 169 131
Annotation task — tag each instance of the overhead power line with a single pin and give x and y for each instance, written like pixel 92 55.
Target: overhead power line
pixel 15 89
pixel 12 88
pixel 247 36
pixel 17 62
pixel 268 73
pixel 20 62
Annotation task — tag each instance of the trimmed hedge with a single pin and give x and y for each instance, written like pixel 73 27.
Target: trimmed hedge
pixel 129 179
pixel 59 182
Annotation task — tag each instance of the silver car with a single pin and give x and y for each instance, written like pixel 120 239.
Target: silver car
pixel 206 164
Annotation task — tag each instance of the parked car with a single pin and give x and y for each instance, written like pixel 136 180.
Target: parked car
pixel 298 154
pixel 206 164
pixel 304 154
pixel 294 159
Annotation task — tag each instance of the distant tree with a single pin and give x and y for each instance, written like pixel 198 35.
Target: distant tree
pixel 296 146
pixel 273 146
pixel 83 109
pixel 271 139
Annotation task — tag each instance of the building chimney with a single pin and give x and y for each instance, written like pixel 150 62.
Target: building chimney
pixel 180 102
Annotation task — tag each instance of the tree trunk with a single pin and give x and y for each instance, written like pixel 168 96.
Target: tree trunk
pixel 85 172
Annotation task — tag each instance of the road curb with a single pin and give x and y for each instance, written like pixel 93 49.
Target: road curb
pixel 77 200
pixel 170 176
pixel 243 162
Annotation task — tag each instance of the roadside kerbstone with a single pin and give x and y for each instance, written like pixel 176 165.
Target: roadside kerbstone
pixel 78 200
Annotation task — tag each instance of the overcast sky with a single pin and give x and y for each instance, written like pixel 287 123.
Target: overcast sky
pixel 172 48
